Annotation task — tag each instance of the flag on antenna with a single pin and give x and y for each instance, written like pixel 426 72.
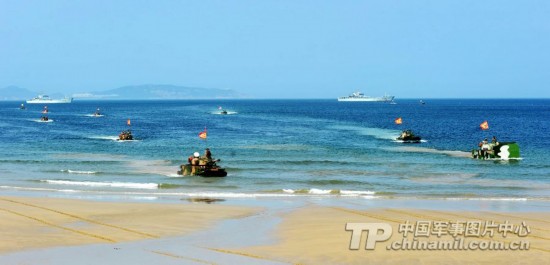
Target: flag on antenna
pixel 398 120
pixel 202 134
pixel 128 122
pixel 484 125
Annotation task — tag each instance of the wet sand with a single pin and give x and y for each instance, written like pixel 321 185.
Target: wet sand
pixel 36 230
pixel 30 223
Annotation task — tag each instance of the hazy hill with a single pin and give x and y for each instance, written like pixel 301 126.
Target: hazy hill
pixel 16 93
pixel 141 92
pixel 164 92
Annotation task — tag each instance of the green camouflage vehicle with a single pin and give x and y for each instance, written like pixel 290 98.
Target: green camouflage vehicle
pixel 502 150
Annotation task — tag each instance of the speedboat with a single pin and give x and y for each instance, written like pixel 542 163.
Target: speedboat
pixel 97 113
pixel 44 118
pixel 498 150
pixel 125 136
pixel 22 106
pixel 223 112
pixel 408 137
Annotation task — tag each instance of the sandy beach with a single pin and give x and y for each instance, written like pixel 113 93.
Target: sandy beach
pixel 41 229
pixel 31 223
pixel 317 235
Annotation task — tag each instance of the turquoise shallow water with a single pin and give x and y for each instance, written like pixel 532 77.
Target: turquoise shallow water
pixel 278 148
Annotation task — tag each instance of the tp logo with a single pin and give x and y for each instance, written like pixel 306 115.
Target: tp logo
pixel 372 230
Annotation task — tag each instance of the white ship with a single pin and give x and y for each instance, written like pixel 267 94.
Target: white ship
pixel 358 96
pixel 44 99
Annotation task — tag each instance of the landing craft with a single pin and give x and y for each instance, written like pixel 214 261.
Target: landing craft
pixel 408 137
pixel 126 135
pixel 205 168
pixel 500 150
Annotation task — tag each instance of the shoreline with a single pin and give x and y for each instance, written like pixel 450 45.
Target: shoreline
pixel 247 231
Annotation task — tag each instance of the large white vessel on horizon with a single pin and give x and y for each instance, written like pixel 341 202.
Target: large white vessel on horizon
pixel 45 99
pixel 358 96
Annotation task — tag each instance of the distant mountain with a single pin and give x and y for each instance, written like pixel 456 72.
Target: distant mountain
pixel 16 93
pixel 161 92
pixel 140 92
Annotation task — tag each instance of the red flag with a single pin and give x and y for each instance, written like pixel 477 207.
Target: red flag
pixel 128 122
pixel 484 125
pixel 398 120
pixel 202 134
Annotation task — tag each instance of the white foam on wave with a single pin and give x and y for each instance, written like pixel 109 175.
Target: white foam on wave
pixel 348 193
pixel 78 171
pixel 488 199
pixel 234 195
pixel 68 191
pixel 129 185
pixel 319 191
pixel 356 192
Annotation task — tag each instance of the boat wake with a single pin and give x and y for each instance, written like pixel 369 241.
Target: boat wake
pixel 416 149
pixel 78 172
pixel 111 138
pixel 383 134
pixel 401 141
pixel 99 137
pixel 94 116
pixel 228 113
pixel 41 121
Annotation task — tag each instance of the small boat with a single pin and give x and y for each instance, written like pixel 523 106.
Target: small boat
pixel 97 113
pixel 44 118
pixel 125 136
pixel 408 137
pixel 223 112
pixel 22 106
pixel 422 102
pixel 498 150
pixel 45 99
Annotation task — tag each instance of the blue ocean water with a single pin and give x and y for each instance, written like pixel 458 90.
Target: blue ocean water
pixel 278 148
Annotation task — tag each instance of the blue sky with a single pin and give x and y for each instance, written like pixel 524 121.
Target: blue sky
pixel 281 49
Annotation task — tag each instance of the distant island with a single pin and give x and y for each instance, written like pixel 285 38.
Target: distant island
pixel 140 92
